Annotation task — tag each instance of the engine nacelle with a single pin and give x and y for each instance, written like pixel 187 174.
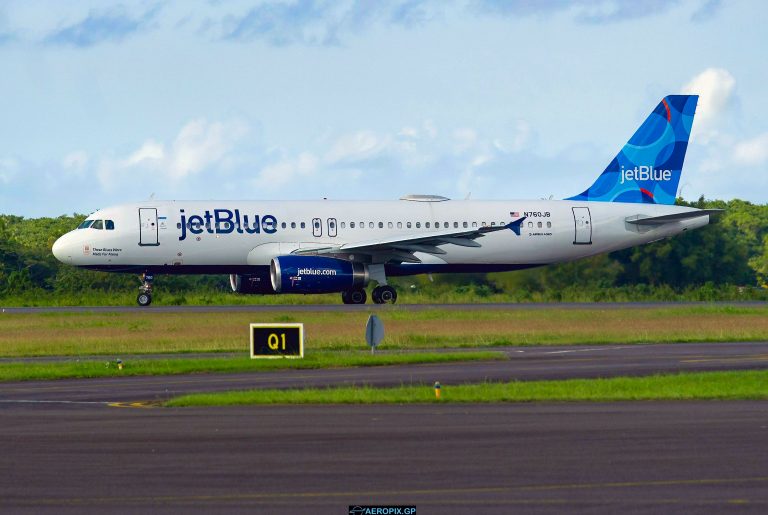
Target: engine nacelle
pixel 251 284
pixel 315 274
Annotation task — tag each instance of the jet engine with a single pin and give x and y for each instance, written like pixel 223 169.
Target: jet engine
pixel 251 284
pixel 315 274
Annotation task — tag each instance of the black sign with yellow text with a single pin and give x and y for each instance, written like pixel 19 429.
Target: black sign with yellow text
pixel 277 340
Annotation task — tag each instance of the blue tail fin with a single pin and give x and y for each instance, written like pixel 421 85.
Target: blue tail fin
pixel 647 170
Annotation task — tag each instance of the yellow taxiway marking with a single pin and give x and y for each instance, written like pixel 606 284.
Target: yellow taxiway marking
pixel 280 496
pixel 747 358
pixel 134 404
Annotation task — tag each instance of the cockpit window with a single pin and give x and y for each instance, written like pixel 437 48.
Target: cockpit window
pixel 86 224
pixel 109 225
pixel 98 224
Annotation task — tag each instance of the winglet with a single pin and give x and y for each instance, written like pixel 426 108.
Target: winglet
pixel 515 225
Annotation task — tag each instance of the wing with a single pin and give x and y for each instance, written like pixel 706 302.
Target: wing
pixel 401 249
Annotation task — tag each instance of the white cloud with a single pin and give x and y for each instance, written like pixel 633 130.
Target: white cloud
pixel 9 167
pixel 715 87
pixel 279 174
pixel 200 145
pixel 752 152
pixel 357 146
pixel 75 161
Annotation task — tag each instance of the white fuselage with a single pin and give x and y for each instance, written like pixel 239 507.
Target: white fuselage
pixel 184 236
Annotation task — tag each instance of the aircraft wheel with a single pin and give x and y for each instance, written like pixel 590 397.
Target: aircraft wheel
pixel 384 295
pixel 354 296
pixel 144 299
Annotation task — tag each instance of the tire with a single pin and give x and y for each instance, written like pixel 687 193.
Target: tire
pixel 384 295
pixel 357 296
pixel 144 299
pixel 345 297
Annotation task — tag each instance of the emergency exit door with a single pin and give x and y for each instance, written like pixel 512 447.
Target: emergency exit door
pixel 582 221
pixel 148 227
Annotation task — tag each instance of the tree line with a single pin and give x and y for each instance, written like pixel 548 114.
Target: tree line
pixel 731 252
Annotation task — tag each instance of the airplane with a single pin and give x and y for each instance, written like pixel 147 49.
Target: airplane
pixel 326 246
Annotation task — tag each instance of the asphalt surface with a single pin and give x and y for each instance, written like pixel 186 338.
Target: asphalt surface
pixel 645 457
pixel 96 446
pixel 369 307
pixel 524 363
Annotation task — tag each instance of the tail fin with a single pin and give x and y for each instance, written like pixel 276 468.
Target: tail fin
pixel 647 170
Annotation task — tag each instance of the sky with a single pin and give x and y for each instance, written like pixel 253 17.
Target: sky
pixel 105 102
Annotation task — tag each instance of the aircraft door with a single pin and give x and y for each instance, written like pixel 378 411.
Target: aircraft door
pixel 317 227
pixel 332 227
pixel 583 226
pixel 148 227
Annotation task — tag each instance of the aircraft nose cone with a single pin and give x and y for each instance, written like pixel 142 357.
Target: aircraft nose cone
pixel 62 250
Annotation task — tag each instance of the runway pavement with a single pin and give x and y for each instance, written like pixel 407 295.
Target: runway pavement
pixel 83 446
pixel 524 363
pixel 281 308
pixel 645 457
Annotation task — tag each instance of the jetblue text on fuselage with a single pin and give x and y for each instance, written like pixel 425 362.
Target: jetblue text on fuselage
pixel 226 221
pixel 645 173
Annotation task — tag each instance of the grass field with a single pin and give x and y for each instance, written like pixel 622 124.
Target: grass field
pixel 23 371
pixel 121 334
pixel 689 386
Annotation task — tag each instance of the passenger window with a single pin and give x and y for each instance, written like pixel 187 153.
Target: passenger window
pixel 485 224
pixel 389 225
pixel 493 224
pixel 549 225
pixel 178 225
pixel 285 225
pixel 381 225
pixel 418 225
pixel 293 225
pixel 399 225
pixel 303 225
pixel 474 224
pixel 98 224
pixel 426 225
pixel 466 225
pixel 110 225
pixel 530 224
pixel 446 225
pixel 343 225
pixel 408 225
pixel 455 225
pixel 370 225
pixel 539 225
pixel 351 225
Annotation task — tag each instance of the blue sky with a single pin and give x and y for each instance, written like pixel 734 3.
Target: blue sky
pixel 105 103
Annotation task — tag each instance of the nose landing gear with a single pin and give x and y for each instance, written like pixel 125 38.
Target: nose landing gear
pixel 145 290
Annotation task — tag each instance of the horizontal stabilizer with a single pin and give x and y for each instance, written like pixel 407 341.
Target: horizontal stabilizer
pixel 676 217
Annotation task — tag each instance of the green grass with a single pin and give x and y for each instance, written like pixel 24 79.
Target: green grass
pixel 147 332
pixel 684 386
pixel 21 371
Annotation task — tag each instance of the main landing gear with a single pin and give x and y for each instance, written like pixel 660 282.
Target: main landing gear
pixel 145 290
pixel 381 295
pixel 384 294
